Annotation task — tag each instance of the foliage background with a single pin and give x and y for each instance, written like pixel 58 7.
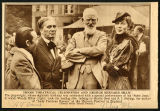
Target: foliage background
pixel 17 16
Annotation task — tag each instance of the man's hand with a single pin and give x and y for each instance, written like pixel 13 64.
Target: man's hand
pixel 74 52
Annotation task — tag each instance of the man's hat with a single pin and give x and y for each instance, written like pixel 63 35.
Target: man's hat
pixel 120 16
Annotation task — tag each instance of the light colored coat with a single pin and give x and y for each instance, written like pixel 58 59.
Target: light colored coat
pixel 22 73
pixel 88 55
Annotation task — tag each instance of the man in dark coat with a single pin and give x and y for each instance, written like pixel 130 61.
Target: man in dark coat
pixel 46 58
pixel 143 63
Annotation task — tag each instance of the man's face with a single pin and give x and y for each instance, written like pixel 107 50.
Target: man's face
pixel 49 29
pixel 121 26
pixel 90 22
pixel 32 44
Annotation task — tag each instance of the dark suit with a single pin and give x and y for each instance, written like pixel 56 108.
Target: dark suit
pixel 143 65
pixel 48 67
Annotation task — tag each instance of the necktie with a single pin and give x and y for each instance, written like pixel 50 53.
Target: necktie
pixel 87 44
pixel 89 35
pixel 51 45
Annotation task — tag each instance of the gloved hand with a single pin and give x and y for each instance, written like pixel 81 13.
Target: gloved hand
pixel 111 70
pixel 107 66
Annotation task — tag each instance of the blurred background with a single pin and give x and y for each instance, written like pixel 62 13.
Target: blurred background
pixel 68 16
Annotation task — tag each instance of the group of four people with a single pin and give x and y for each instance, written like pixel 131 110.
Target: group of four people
pixel 89 61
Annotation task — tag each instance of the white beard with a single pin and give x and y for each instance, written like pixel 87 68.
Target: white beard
pixel 90 31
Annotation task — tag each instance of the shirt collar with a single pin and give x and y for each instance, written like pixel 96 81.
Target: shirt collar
pixel 46 40
pixel 140 36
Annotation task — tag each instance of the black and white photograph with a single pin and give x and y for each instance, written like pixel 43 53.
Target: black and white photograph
pixel 78 47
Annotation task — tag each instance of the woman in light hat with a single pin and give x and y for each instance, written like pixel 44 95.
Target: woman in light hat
pixel 121 58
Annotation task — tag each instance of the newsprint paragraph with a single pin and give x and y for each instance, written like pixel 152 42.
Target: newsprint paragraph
pixel 80 55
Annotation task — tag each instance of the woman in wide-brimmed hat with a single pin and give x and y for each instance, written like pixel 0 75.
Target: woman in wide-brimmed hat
pixel 120 60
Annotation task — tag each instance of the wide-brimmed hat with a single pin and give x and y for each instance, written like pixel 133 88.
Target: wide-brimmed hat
pixel 120 16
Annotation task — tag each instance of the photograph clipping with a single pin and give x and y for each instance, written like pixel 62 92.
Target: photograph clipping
pixel 80 55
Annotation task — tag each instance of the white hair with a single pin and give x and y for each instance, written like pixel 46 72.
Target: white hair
pixel 90 11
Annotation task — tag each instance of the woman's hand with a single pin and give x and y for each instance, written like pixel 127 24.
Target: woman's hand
pixel 111 70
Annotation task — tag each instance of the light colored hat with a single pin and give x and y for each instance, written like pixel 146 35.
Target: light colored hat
pixel 90 11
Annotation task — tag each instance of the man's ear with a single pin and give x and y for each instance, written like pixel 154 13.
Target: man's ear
pixel 28 43
pixel 40 30
pixel 82 19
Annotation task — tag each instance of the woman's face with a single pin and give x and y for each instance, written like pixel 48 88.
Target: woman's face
pixel 121 26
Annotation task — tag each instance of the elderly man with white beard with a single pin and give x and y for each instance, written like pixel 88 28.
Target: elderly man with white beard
pixel 86 51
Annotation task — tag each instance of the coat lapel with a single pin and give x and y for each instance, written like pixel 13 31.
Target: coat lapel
pixel 80 40
pixel 45 49
pixel 95 38
pixel 31 62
